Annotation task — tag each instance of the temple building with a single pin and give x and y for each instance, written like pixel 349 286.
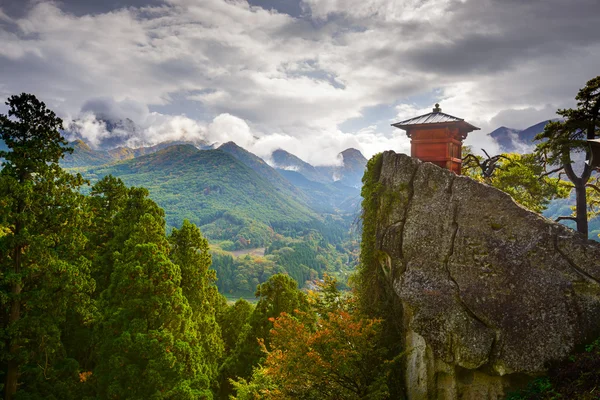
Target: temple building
pixel 437 138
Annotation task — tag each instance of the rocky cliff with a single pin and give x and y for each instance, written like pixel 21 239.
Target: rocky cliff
pixel 490 292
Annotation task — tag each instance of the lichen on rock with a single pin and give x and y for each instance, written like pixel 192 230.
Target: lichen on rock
pixel 489 290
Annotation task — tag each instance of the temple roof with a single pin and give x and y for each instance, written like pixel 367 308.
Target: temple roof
pixel 435 117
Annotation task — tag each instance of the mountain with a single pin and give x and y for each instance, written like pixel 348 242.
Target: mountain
pixel 289 162
pixel 507 138
pixel 328 188
pixel 351 171
pixel 263 169
pixel 517 140
pixel 325 197
pixel 83 155
pixel 214 190
pixel 527 135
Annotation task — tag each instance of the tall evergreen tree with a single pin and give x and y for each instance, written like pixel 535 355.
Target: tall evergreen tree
pixel 189 250
pixel 42 272
pixel 107 198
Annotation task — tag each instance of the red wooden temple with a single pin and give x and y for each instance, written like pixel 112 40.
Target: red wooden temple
pixel 437 138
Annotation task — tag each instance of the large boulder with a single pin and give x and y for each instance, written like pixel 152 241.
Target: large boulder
pixel 491 292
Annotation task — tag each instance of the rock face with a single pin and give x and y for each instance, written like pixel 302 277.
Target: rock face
pixel 491 292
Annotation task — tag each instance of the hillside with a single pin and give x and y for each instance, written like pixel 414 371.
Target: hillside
pixel 263 169
pixel 325 197
pixel 214 190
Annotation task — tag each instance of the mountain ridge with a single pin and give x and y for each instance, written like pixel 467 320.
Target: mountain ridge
pixel 212 189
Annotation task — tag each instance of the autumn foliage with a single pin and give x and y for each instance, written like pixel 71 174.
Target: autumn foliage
pixel 337 357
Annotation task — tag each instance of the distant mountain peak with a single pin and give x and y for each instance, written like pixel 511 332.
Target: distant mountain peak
pixel 353 151
pixel 182 148
pixel 517 140
pixel 353 154
pixel 80 144
pixel 230 144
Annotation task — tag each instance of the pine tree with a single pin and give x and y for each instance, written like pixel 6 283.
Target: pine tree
pixel 189 250
pixel 42 272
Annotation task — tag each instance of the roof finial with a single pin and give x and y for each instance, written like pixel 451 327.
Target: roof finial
pixel 437 108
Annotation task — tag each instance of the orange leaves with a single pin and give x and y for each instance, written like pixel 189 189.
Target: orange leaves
pixel 341 349
pixel 83 376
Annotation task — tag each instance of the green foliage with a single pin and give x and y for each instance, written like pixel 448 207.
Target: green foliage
pixel 540 388
pixel 523 177
pixel 242 275
pixel 156 335
pixel 369 279
pixel 376 298
pixel 43 274
pixel 189 250
pixel 305 259
pixel 561 138
pixel 232 321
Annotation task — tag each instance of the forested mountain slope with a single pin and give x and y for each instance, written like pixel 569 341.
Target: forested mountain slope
pixel 263 169
pixel 213 190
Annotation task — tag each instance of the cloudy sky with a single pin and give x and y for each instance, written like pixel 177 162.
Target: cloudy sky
pixel 310 76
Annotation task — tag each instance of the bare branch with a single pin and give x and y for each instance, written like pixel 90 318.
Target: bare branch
pixel 595 187
pixel 551 172
pixel 563 218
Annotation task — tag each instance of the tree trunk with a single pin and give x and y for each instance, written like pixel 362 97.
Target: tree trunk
pixel 580 194
pixel 581 208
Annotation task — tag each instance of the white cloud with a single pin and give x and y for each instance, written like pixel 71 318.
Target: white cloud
pixel 228 128
pixel 88 128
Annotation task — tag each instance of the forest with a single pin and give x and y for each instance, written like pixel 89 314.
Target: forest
pixel 99 300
